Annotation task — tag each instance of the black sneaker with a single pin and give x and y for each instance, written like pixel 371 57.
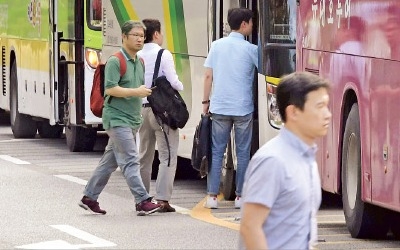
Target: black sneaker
pixel 88 204
pixel 165 207
pixel 147 207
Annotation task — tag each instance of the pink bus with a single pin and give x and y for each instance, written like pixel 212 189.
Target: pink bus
pixel 356 45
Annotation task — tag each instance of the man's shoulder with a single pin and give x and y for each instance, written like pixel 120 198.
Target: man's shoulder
pixel 113 59
pixel 275 148
pixel 166 53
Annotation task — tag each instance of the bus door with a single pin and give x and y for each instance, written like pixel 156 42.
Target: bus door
pixel 67 61
pixel 54 47
pixel 277 43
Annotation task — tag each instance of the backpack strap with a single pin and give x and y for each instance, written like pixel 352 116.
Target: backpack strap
pixel 155 75
pixel 157 67
pixel 122 68
pixel 142 61
pixel 122 62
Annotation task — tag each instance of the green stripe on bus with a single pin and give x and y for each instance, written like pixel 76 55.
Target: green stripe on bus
pixel 120 12
pixel 178 27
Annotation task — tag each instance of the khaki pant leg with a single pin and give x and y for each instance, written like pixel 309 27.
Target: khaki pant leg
pixel 147 146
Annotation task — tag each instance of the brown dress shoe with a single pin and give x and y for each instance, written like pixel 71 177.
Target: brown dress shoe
pixel 165 207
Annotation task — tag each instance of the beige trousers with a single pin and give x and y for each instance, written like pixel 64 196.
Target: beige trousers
pixel 150 133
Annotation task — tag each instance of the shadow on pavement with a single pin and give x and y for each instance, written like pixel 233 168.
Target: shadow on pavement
pixel 4 118
pixel 330 200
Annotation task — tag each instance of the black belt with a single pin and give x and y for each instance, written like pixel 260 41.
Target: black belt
pixel 146 105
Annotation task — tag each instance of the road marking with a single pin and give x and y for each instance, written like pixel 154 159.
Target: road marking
pixel 14 160
pixel 20 140
pixel 72 179
pixel 94 241
pixel 204 214
pixel 181 210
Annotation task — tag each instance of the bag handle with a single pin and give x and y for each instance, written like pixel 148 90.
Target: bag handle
pixel 157 67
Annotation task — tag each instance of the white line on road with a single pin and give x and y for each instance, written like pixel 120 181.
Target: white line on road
pixel 61 244
pixel 20 140
pixel 72 179
pixel 14 160
pixel 94 241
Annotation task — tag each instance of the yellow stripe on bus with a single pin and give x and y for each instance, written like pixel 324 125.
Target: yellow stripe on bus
pixel 168 26
pixel 129 9
pixel 272 80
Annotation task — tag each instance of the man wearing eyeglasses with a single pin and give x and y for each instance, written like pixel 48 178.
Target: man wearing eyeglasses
pixel 121 120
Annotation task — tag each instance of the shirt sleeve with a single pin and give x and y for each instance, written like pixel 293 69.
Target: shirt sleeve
pixel 168 69
pixel 263 181
pixel 254 54
pixel 209 59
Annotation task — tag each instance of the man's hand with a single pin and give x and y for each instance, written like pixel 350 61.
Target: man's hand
pixel 142 91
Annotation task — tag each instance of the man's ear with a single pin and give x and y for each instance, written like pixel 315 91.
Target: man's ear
pixel 291 112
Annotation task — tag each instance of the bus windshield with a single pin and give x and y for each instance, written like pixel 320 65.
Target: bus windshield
pixel 93 14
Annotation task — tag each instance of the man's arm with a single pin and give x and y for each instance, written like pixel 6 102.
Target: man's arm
pixel 168 65
pixel 118 91
pixel 208 78
pixel 253 217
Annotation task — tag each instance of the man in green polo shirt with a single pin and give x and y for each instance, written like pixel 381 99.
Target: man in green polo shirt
pixel 121 120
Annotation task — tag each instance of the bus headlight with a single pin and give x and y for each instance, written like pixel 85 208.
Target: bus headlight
pixel 92 57
pixel 273 112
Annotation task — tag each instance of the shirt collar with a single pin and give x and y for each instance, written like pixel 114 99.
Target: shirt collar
pixel 296 142
pixel 127 56
pixel 236 34
pixel 150 46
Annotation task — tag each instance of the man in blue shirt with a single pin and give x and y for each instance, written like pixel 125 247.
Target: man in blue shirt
pixel 230 68
pixel 282 189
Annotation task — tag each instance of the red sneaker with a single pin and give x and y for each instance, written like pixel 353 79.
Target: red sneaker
pixel 147 207
pixel 88 204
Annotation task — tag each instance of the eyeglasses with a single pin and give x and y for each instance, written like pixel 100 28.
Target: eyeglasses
pixel 137 36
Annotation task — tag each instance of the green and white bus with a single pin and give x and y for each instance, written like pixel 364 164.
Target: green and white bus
pixel 49 49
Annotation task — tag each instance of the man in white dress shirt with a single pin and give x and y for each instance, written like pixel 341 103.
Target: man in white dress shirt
pixel 151 130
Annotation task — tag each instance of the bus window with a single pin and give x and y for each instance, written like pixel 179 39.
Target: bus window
pixel 277 37
pixel 93 14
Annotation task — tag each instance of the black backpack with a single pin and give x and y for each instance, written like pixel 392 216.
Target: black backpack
pixel 166 102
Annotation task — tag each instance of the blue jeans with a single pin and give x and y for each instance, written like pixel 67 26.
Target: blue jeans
pixel 221 129
pixel 121 151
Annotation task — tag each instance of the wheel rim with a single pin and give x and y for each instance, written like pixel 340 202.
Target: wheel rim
pixel 352 170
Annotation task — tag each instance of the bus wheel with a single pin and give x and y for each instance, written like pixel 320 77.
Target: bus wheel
pixel 47 131
pixel 22 126
pixel 80 139
pixel 229 173
pixel 363 220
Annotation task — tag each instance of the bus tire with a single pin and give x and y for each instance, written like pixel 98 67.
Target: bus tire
pixel 48 131
pixel 228 174
pixel 80 139
pixel 363 220
pixel 22 126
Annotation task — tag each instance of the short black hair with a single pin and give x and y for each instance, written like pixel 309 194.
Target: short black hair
pixel 293 90
pixel 130 24
pixel 237 15
pixel 152 25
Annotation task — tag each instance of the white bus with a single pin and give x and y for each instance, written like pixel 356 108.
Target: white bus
pixel 49 50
